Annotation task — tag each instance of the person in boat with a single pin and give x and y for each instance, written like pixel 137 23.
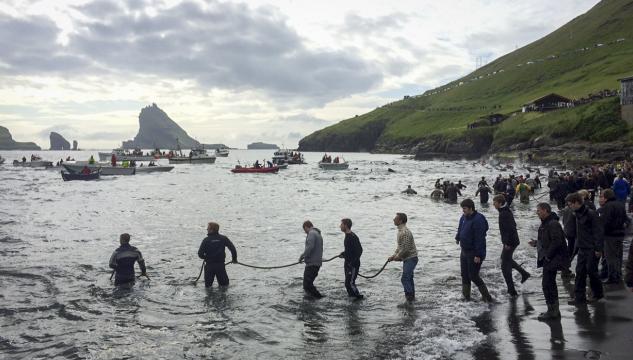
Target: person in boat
pixel 67 159
pixel 406 252
pixel 85 170
pixel 125 163
pixel 324 159
pixel 270 164
pixel 336 160
pixel 113 160
pixel 91 160
pixel 352 254
pixel 151 163
pixel 122 262
pixel 212 251
pixel 409 191
pixel 312 257
pixel 23 159
pixel 256 165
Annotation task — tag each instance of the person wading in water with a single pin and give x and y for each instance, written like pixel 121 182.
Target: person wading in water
pixel 312 255
pixel 122 262
pixel 352 253
pixel 407 253
pixel 212 251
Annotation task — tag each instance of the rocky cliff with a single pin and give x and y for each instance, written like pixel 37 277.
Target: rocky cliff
pixel 157 129
pixel 58 142
pixel 7 142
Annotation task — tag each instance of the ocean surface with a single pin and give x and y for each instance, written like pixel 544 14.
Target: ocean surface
pixel 56 239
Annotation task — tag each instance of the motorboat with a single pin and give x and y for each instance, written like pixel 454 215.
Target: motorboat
pixel 92 175
pixel 334 165
pixel 254 170
pixel 106 168
pixel 124 155
pixel 222 152
pixel 34 163
pixel 153 168
pixel 288 157
pixel 196 156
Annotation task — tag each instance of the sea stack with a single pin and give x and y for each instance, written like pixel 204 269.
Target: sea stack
pixel 158 130
pixel 58 142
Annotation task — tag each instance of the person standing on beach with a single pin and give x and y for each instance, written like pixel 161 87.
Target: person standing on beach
pixel 613 216
pixel 510 241
pixel 312 256
pixel 352 253
pixel 552 255
pixel 589 242
pixel 212 250
pixel 122 262
pixel 407 253
pixel 471 237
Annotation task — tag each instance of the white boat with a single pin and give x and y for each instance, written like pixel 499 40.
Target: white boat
pixel 123 155
pixel 34 163
pixel 222 152
pixel 156 168
pixel 196 156
pixel 288 157
pixel 106 168
pixel 334 166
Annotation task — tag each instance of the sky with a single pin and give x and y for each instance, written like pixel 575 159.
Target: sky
pixel 237 72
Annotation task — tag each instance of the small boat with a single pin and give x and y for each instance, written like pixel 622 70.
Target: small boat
pixel 155 168
pixel 240 169
pixel 334 166
pixel 93 175
pixel 196 156
pixel 34 163
pixel 106 169
pixel 222 152
pixel 136 155
pixel 288 157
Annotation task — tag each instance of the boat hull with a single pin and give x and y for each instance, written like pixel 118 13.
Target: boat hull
pixel 105 170
pixel 334 166
pixel 187 160
pixel 108 156
pixel 151 169
pixel 243 170
pixel 85 177
pixel 34 164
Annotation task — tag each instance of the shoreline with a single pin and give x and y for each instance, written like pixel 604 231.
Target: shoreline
pixel 602 330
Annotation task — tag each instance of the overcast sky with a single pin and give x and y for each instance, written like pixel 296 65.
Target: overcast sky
pixel 236 72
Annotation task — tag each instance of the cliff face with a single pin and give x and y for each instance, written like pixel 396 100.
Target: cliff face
pixel 157 129
pixel 7 142
pixel 58 142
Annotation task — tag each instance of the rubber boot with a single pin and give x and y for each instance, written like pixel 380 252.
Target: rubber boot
pixel 410 297
pixel 466 291
pixel 485 295
pixel 551 313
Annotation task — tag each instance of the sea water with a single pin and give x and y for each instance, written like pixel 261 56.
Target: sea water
pixel 56 239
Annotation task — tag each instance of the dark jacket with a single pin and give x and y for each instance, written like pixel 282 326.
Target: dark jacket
pixel 122 261
pixel 212 249
pixel 508 227
pixel 569 222
pixel 353 249
pixel 628 269
pixel 471 234
pixel 551 246
pixel 589 233
pixel 613 216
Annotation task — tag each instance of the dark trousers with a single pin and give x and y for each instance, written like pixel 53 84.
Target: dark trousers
pixel 309 275
pixel 613 252
pixel 550 290
pixel 470 270
pixel 587 265
pixel 351 272
pixel 215 270
pixel 507 264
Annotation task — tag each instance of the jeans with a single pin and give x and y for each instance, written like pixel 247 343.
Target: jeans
pixel 587 265
pixel 408 266
pixel 550 290
pixel 613 252
pixel 215 270
pixel 470 270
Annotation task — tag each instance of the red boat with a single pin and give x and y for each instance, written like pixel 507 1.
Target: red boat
pixel 240 169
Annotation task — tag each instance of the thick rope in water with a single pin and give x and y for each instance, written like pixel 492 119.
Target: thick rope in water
pixel 376 274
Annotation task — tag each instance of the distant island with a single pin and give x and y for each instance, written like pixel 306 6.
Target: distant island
pixel 158 130
pixel 262 146
pixel 58 142
pixel 7 142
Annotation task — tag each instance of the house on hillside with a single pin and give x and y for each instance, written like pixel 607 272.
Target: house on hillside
pixel 547 103
pixel 626 99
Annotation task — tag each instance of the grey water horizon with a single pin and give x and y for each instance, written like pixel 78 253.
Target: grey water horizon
pixel 56 239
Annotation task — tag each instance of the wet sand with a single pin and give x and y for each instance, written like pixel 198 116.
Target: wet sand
pixel 603 330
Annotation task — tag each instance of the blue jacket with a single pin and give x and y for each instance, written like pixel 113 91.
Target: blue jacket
pixel 471 234
pixel 621 188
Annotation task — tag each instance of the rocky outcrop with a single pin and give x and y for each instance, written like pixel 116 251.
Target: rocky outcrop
pixel 362 140
pixel 7 142
pixel 158 130
pixel 261 146
pixel 58 142
pixel 75 145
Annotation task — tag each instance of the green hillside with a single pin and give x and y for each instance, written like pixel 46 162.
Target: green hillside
pixel 586 55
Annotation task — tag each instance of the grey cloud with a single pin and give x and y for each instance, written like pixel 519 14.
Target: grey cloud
pixel 364 25
pixel 228 46
pixel 294 135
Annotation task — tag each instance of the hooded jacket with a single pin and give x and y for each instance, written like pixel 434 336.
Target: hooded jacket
pixel 313 253
pixel 508 227
pixel 551 247
pixel 589 233
pixel 471 234
pixel 613 216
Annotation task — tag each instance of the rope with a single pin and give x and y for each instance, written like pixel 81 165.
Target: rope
pixel 279 266
pixel 376 274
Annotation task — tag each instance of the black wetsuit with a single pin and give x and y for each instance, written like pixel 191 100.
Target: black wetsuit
pixel 212 251
pixel 122 261
pixel 352 253
pixel 483 193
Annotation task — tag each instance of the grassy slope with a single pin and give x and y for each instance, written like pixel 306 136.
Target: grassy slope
pixel 572 73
